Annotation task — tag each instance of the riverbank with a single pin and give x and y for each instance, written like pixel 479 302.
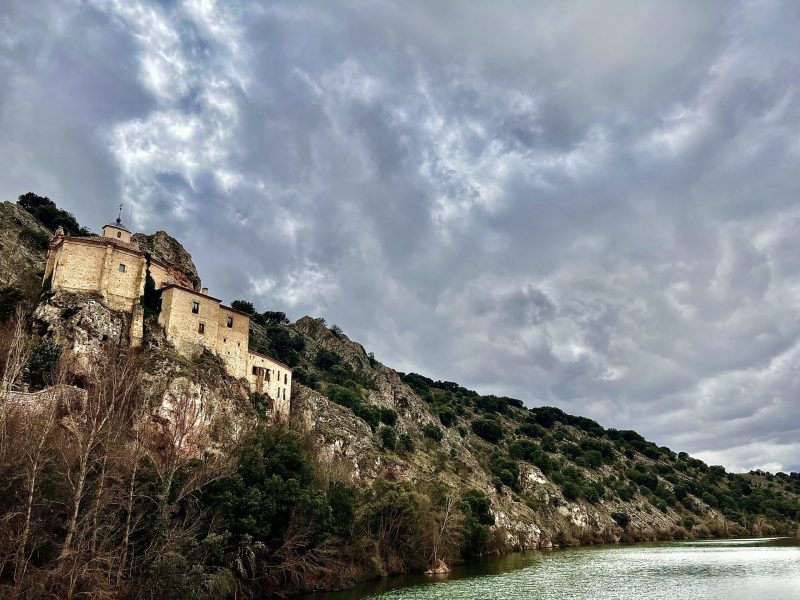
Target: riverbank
pixel 737 569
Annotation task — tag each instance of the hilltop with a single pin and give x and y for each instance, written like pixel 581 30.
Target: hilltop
pixel 170 478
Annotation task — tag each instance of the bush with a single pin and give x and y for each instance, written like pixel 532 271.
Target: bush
pixel 33 238
pixel 622 519
pixel 344 397
pixel 10 297
pixel 406 443
pixel 571 490
pixel 261 402
pixel 447 416
pixel 433 432
pixel 549 444
pixel 244 306
pixel 531 430
pixel 39 371
pixel 300 375
pixel 489 430
pixel 388 437
pixel 478 519
pixel 325 359
pixel 371 414
pixel 505 469
pixel 273 485
pixel 49 215
pixel 388 416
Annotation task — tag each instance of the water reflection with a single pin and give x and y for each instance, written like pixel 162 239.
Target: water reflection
pixel 741 569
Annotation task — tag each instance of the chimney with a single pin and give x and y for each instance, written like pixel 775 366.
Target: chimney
pixel 204 291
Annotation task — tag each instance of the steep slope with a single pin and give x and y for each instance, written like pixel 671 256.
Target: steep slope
pixel 551 478
pixel 167 249
pixel 23 247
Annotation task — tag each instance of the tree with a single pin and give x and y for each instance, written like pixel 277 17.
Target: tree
pixel 244 306
pixel 388 437
pixel 49 215
pixel 489 430
pixel 432 432
pixel 41 364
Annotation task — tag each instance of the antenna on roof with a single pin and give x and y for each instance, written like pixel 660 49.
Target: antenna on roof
pixel 119 216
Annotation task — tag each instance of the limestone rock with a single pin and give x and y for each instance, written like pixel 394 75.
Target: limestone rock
pixel 21 263
pixel 167 249
pixel 82 325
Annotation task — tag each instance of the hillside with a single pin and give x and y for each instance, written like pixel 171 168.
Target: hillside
pixel 146 474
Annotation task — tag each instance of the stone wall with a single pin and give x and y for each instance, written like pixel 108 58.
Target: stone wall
pixel 116 269
pixel 232 341
pixel 268 376
pixel 93 266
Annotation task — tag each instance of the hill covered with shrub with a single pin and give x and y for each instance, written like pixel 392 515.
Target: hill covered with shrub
pixel 146 474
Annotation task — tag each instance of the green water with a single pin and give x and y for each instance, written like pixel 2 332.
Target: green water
pixel 763 568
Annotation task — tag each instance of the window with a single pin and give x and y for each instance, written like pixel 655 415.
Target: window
pixel 195 307
pixel 269 375
pixel 122 268
pixel 119 234
pixel 255 370
pixel 285 379
pixel 230 321
pixel 201 328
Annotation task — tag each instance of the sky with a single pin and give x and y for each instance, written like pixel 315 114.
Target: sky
pixel 588 205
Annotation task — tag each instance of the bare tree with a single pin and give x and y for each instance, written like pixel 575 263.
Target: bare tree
pixel 15 349
pixel 89 431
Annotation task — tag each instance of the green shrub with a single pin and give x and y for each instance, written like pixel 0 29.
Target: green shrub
pixel 488 429
pixel 621 518
pixel 261 402
pixel 49 215
pixel 571 490
pixel 371 414
pixel 388 416
pixel 433 432
pixel 388 437
pixel 406 443
pixel 477 522
pixel 39 372
pixel 244 306
pixel 505 469
pixel 33 238
pixel 531 430
pixel 447 416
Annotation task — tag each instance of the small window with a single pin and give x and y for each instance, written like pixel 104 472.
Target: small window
pixel 269 374
pixel 119 234
pixel 285 379
pixel 230 321
pixel 122 268
pixel 255 370
pixel 195 307
pixel 201 328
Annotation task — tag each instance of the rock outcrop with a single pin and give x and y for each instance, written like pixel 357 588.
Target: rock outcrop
pixel 170 251
pixel 23 246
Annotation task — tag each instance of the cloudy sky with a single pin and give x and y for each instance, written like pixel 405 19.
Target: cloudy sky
pixel 589 205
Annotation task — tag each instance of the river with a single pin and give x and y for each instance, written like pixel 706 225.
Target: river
pixel 743 569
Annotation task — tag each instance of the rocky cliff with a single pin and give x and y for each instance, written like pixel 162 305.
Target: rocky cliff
pixel 552 478
pixel 23 247
pixel 168 250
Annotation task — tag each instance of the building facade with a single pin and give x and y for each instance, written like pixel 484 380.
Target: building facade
pixel 114 267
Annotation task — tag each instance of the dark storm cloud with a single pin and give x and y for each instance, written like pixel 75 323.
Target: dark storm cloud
pixel 581 204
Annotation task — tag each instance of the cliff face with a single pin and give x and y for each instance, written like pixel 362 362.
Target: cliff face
pixel 23 247
pixel 167 249
pixel 548 495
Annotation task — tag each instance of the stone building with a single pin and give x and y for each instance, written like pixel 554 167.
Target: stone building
pixel 114 267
